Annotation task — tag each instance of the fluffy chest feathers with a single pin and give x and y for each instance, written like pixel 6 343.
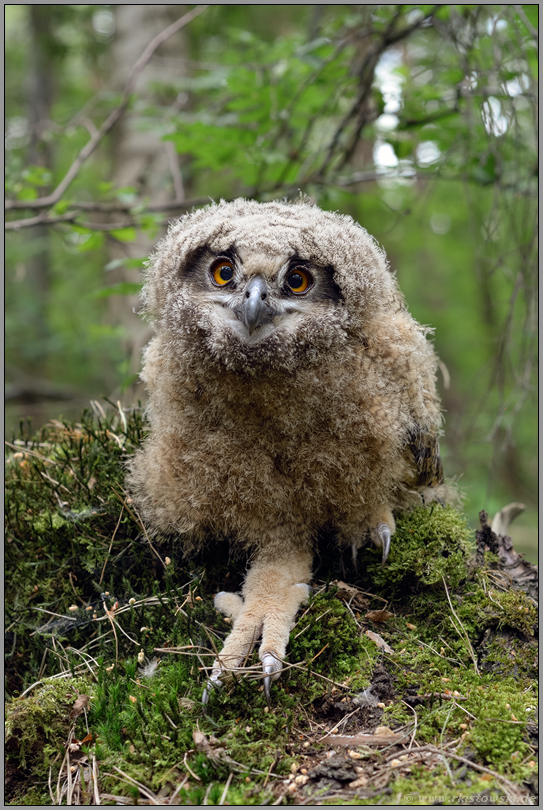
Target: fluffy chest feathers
pixel 305 446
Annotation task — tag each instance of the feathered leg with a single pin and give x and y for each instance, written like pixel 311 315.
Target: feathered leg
pixel 272 593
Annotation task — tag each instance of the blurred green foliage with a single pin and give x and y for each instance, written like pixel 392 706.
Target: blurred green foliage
pixel 418 120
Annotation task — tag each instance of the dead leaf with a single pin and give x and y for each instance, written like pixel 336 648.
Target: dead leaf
pixel 349 594
pixel 199 740
pixel 362 781
pixel 379 615
pixel 384 731
pixel 381 643
pixel 215 754
pixel 345 591
pixel 80 704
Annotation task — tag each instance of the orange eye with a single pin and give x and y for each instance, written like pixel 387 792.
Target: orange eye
pixel 223 273
pixel 298 281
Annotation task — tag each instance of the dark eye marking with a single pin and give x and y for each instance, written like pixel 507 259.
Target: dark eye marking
pixel 203 264
pixel 307 277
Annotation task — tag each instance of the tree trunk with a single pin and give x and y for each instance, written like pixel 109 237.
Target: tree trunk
pixel 40 97
pixel 140 158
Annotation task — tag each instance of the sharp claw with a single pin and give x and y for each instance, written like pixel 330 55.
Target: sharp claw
pixel 267 684
pixel 381 537
pixel 354 552
pixel 213 683
pixel 384 534
pixel 268 672
pixel 272 667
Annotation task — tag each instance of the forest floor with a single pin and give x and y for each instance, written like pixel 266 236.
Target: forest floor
pixel 412 684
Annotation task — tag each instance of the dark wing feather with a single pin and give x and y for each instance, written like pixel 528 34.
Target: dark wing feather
pixel 423 448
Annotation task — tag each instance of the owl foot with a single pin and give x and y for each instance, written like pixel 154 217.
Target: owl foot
pixel 267 612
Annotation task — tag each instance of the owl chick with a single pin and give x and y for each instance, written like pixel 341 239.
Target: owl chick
pixel 289 390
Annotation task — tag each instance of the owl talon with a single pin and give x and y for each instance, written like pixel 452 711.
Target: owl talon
pixel 214 682
pixel 272 667
pixel 381 538
pixel 267 684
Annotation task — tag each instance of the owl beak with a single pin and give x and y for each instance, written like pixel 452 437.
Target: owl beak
pixel 254 311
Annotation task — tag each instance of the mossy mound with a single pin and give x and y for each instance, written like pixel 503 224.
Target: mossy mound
pixel 431 646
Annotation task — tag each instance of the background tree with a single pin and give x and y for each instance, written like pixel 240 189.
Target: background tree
pixel 418 120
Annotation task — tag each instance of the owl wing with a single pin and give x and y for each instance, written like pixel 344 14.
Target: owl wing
pixel 423 451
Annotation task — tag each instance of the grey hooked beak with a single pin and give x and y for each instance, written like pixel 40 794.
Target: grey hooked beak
pixel 254 310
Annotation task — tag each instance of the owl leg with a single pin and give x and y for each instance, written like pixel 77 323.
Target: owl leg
pixel 383 527
pixel 273 591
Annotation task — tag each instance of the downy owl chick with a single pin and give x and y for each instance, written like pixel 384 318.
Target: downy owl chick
pixel 290 389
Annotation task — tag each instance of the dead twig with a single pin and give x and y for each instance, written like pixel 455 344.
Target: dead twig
pixel 225 791
pixel 412 740
pixel 189 769
pixel 178 789
pixel 128 779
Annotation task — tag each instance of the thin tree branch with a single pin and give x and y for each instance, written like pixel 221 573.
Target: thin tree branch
pixel 73 216
pixel 533 31
pixel 40 219
pixel 111 120
pixel 366 73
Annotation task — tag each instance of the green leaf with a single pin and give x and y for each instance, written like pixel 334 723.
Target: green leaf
pixel 94 241
pixel 485 172
pixel 402 148
pixel 122 288
pixel 37 175
pixel 124 234
pixel 378 99
pixel 126 195
pixel 61 207
pixel 27 193
pixel 150 223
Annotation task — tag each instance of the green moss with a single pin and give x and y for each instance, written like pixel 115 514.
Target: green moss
pixel 436 787
pixel 36 731
pixel 464 652
pixel 32 798
pixel 429 543
pixel 326 640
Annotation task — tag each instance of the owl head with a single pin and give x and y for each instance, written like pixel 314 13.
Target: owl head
pixel 253 286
